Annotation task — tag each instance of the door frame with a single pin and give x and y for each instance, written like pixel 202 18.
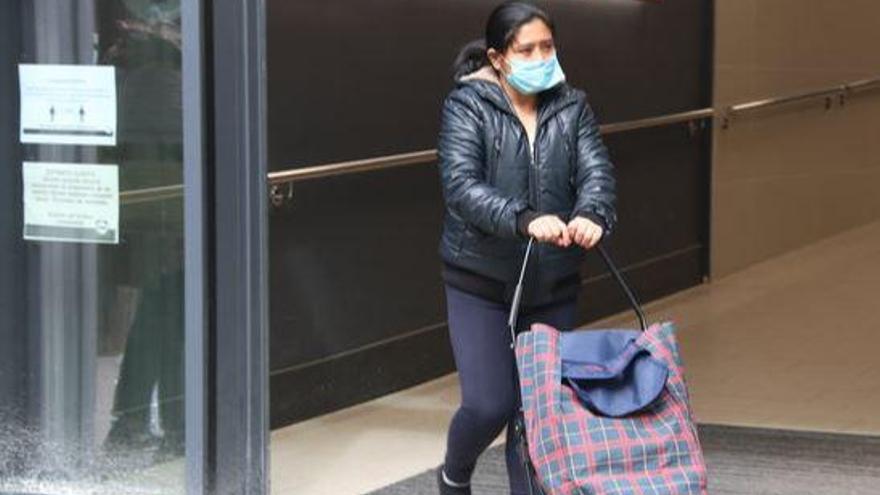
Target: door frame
pixel 236 166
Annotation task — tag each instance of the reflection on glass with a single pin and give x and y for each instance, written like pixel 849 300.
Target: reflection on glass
pixel 93 340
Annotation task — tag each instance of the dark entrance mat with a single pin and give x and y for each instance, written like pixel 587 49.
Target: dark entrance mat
pixel 741 461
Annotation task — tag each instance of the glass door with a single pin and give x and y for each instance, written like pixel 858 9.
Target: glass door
pixel 92 234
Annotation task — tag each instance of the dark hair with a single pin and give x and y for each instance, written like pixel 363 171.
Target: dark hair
pixel 501 28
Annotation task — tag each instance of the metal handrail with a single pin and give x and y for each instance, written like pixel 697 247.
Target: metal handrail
pixel 841 92
pixel 863 85
pixel 399 160
pixel 150 194
pixel 674 118
pixel 289 176
pixel 774 102
pixel 350 167
pixel 429 156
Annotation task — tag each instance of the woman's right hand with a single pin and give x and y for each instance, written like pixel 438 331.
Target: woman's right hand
pixel 550 229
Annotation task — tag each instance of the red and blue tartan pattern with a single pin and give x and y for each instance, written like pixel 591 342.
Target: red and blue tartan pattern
pixel 574 451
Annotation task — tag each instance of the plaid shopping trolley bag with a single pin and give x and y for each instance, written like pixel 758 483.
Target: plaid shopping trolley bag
pixel 605 412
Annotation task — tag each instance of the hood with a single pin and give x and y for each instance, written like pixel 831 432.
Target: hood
pixel 485 82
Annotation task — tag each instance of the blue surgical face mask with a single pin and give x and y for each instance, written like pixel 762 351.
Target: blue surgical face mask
pixel 531 77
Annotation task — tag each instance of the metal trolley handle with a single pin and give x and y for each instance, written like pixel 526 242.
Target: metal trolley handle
pixel 517 294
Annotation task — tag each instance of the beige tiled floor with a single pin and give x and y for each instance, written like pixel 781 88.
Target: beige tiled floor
pixel 791 342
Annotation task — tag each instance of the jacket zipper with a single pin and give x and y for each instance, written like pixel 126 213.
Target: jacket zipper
pixel 533 152
pixel 533 157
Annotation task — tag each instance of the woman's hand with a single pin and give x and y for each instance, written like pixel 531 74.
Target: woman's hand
pixel 584 232
pixel 550 229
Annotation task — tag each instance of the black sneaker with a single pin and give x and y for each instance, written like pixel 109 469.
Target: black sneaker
pixel 447 489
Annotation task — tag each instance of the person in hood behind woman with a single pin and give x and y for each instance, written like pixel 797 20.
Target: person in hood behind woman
pixel 520 157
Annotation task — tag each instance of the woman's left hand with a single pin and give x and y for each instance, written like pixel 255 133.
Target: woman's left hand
pixel 584 232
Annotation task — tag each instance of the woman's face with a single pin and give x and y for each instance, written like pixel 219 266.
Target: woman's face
pixel 533 41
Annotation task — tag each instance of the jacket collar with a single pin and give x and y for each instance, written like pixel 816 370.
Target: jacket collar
pixel 485 82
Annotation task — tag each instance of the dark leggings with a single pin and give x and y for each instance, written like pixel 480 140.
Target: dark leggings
pixel 487 375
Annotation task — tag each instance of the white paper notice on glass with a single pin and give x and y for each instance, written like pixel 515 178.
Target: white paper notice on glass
pixel 68 104
pixel 71 202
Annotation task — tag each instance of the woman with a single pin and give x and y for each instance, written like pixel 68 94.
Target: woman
pixel 520 156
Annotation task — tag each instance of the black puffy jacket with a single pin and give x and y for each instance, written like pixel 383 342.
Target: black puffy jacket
pixel 491 183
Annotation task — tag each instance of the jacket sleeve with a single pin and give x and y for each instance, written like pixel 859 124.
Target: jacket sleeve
pixel 594 174
pixel 462 163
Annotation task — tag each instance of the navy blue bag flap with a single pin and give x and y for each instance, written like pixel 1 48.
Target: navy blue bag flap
pixel 610 372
